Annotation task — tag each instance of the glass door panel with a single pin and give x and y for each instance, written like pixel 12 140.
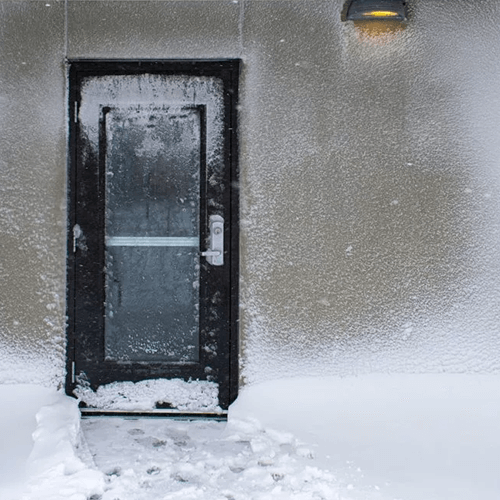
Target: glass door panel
pixel 152 220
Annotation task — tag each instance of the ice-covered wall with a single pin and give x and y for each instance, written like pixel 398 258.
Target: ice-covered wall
pixel 32 191
pixel 371 191
pixel 370 177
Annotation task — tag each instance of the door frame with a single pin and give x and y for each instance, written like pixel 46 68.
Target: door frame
pixel 226 69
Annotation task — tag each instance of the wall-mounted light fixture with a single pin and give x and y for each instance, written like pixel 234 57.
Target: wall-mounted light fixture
pixel 363 10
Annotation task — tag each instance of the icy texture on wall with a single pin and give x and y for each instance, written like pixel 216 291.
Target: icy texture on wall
pixel 32 197
pixel 164 29
pixel 371 176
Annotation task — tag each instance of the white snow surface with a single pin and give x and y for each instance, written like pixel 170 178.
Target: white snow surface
pixel 192 395
pixel 381 437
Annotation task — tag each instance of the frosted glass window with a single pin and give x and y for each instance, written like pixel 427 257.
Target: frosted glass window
pixel 153 156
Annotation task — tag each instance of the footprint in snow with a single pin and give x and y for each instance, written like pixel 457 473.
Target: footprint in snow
pixel 236 470
pixel 157 443
pixel 116 471
pixel 135 432
pixel 180 479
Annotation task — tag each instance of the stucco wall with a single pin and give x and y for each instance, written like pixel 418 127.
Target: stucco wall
pixel 371 191
pixel 32 191
pixel 369 177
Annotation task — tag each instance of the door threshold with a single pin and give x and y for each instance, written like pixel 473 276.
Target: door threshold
pixel 172 414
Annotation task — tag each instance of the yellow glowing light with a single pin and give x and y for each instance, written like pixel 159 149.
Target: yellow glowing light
pixel 378 31
pixel 381 13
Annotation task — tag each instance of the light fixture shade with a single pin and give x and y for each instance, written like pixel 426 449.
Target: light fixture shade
pixel 358 10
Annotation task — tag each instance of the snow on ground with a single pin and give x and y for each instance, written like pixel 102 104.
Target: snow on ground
pixel 203 460
pixel 376 437
pixel 410 437
pixel 20 403
pixel 40 442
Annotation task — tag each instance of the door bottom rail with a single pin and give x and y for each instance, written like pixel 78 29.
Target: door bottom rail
pixel 173 414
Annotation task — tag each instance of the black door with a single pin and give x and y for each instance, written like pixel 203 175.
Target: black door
pixel 153 230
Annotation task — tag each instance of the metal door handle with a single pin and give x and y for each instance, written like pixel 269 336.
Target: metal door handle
pixel 215 254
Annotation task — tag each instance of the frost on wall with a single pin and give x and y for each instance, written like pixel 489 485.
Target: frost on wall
pixel 32 197
pixel 369 178
pixel 371 192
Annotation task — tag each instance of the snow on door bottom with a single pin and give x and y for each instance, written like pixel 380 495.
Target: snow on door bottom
pixel 147 395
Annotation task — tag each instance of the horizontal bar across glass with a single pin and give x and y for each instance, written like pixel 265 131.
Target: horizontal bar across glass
pixel 152 241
